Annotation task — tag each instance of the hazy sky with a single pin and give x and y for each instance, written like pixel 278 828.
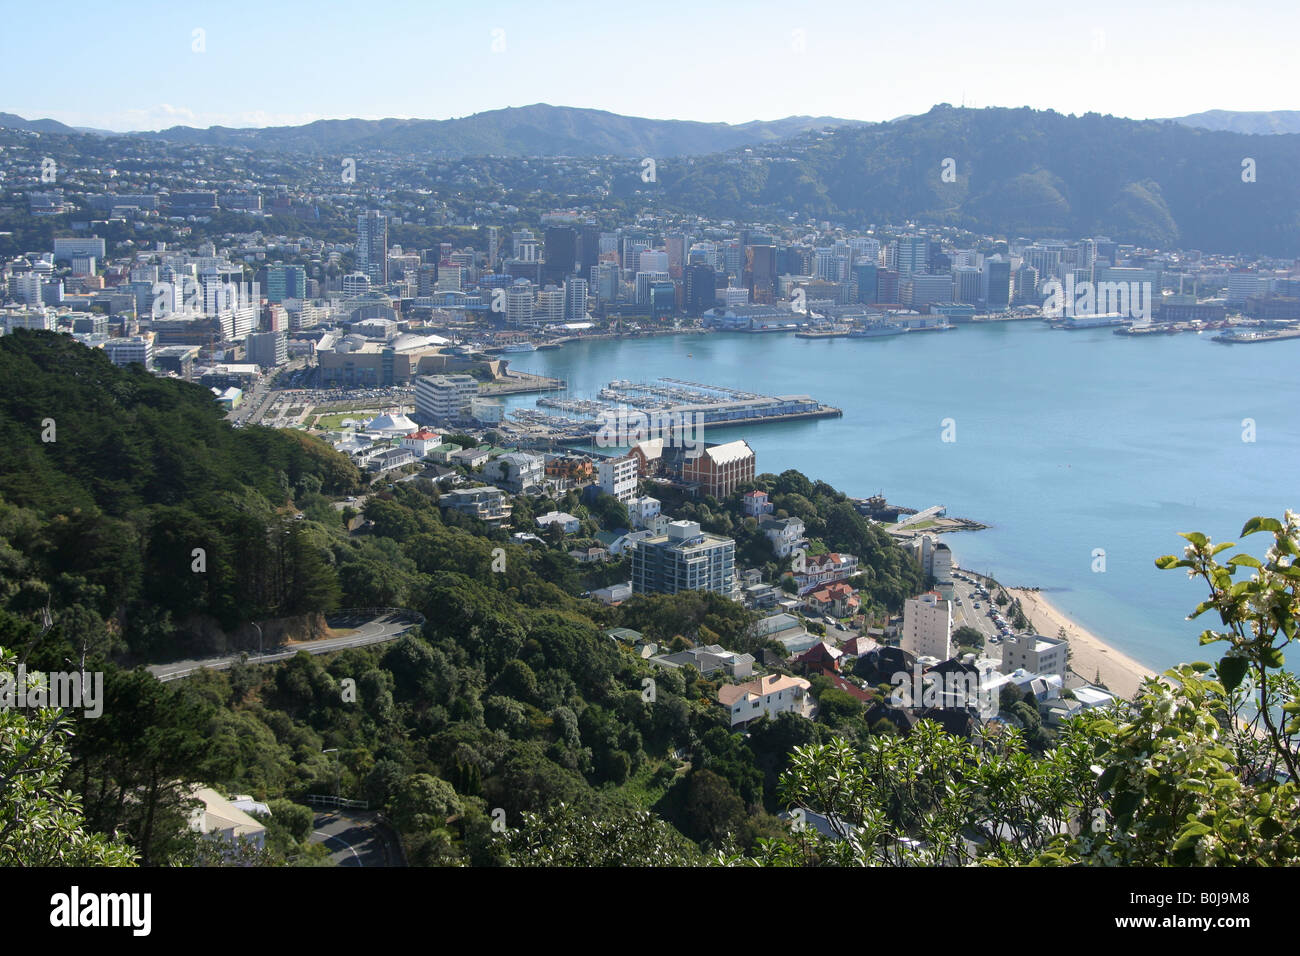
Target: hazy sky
pixel 276 62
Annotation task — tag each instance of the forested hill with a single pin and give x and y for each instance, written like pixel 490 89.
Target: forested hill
pixel 110 480
pixel 1018 172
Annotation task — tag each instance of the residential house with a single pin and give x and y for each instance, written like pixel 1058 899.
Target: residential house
pixel 486 503
pixel 642 509
pixel 589 555
pixel 837 599
pixel 219 819
pixel 517 472
pixel 421 442
pixel 614 594
pixel 785 534
pixel 822 569
pixel 756 504
pixel 469 457
pixel 766 697
pixel 708 659
pixel 565 521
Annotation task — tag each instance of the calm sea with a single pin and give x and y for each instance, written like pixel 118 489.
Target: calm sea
pixel 1066 442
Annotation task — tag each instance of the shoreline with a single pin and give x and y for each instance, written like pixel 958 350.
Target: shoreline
pixel 1089 654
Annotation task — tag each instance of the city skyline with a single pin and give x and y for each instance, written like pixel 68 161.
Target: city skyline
pixel 677 61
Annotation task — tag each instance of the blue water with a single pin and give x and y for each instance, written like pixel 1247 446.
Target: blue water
pixel 1065 442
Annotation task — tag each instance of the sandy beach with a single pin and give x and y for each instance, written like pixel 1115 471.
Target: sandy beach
pixel 1089 654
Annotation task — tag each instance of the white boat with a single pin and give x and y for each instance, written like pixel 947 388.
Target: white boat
pixel 519 347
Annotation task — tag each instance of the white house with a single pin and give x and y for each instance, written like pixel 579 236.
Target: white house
pixel 219 819
pixel 766 697
pixel 786 534
pixel 422 442
pixel 567 522
pixel 642 509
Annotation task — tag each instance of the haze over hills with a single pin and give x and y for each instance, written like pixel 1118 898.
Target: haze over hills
pixel 1020 172
pixel 537 130
pixel 1262 122
pixel 1017 171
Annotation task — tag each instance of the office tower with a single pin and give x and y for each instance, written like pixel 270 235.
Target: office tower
pixel 887 282
pixel 588 248
pixel 701 289
pixel 966 282
pixel 494 243
pixel 911 255
pixel 760 274
pixel 561 253
pixel 372 247
pixel 285 282
pixel 995 283
pixel 865 274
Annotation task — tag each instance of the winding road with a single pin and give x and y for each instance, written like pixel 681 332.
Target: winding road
pixel 366 629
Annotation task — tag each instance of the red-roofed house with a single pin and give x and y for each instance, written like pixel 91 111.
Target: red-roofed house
pixel 837 599
pixel 756 503
pixel 422 442
pixel 821 658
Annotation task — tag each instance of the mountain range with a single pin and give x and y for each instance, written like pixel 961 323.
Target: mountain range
pixel 537 130
pixel 1019 172
pixel 1166 183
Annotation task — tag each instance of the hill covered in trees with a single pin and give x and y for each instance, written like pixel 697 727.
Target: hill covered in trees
pixel 118 486
pixel 1017 172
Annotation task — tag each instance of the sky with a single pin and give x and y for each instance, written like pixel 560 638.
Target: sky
pixel 150 65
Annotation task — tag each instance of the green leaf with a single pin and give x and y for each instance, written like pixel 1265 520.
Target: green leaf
pixel 1167 561
pixel 1231 671
pixel 1261 524
pixel 1272 657
pixel 1195 537
pixel 1246 559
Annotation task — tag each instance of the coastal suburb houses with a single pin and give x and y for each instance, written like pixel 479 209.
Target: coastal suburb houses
pixel 767 696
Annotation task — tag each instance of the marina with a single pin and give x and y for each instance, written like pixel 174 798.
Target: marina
pixel 568 419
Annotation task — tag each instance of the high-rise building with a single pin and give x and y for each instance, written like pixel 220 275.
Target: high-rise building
pixel 575 299
pixel 372 246
pixel 618 477
pixel 561 253
pixel 701 289
pixel 684 559
pixel 760 274
pixel 995 283
pixel 966 281
pixel 865 274
pixel 285 282
pixel 519 304
pixel 268 349
pixel 911 255
pixel 927 627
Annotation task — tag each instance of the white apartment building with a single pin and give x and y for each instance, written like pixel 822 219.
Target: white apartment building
pixel 618 477
pixel 137 348
pixel 927 626
pixel 1034 653
pixel 443 396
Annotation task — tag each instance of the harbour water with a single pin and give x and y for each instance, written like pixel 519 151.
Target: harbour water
pixel 1064 444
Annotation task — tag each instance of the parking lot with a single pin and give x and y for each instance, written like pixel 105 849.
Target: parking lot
pixel 973 609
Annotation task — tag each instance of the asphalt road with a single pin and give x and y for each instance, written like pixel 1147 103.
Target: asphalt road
pixel 370 631
pixel 355 838
pixel 966 614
